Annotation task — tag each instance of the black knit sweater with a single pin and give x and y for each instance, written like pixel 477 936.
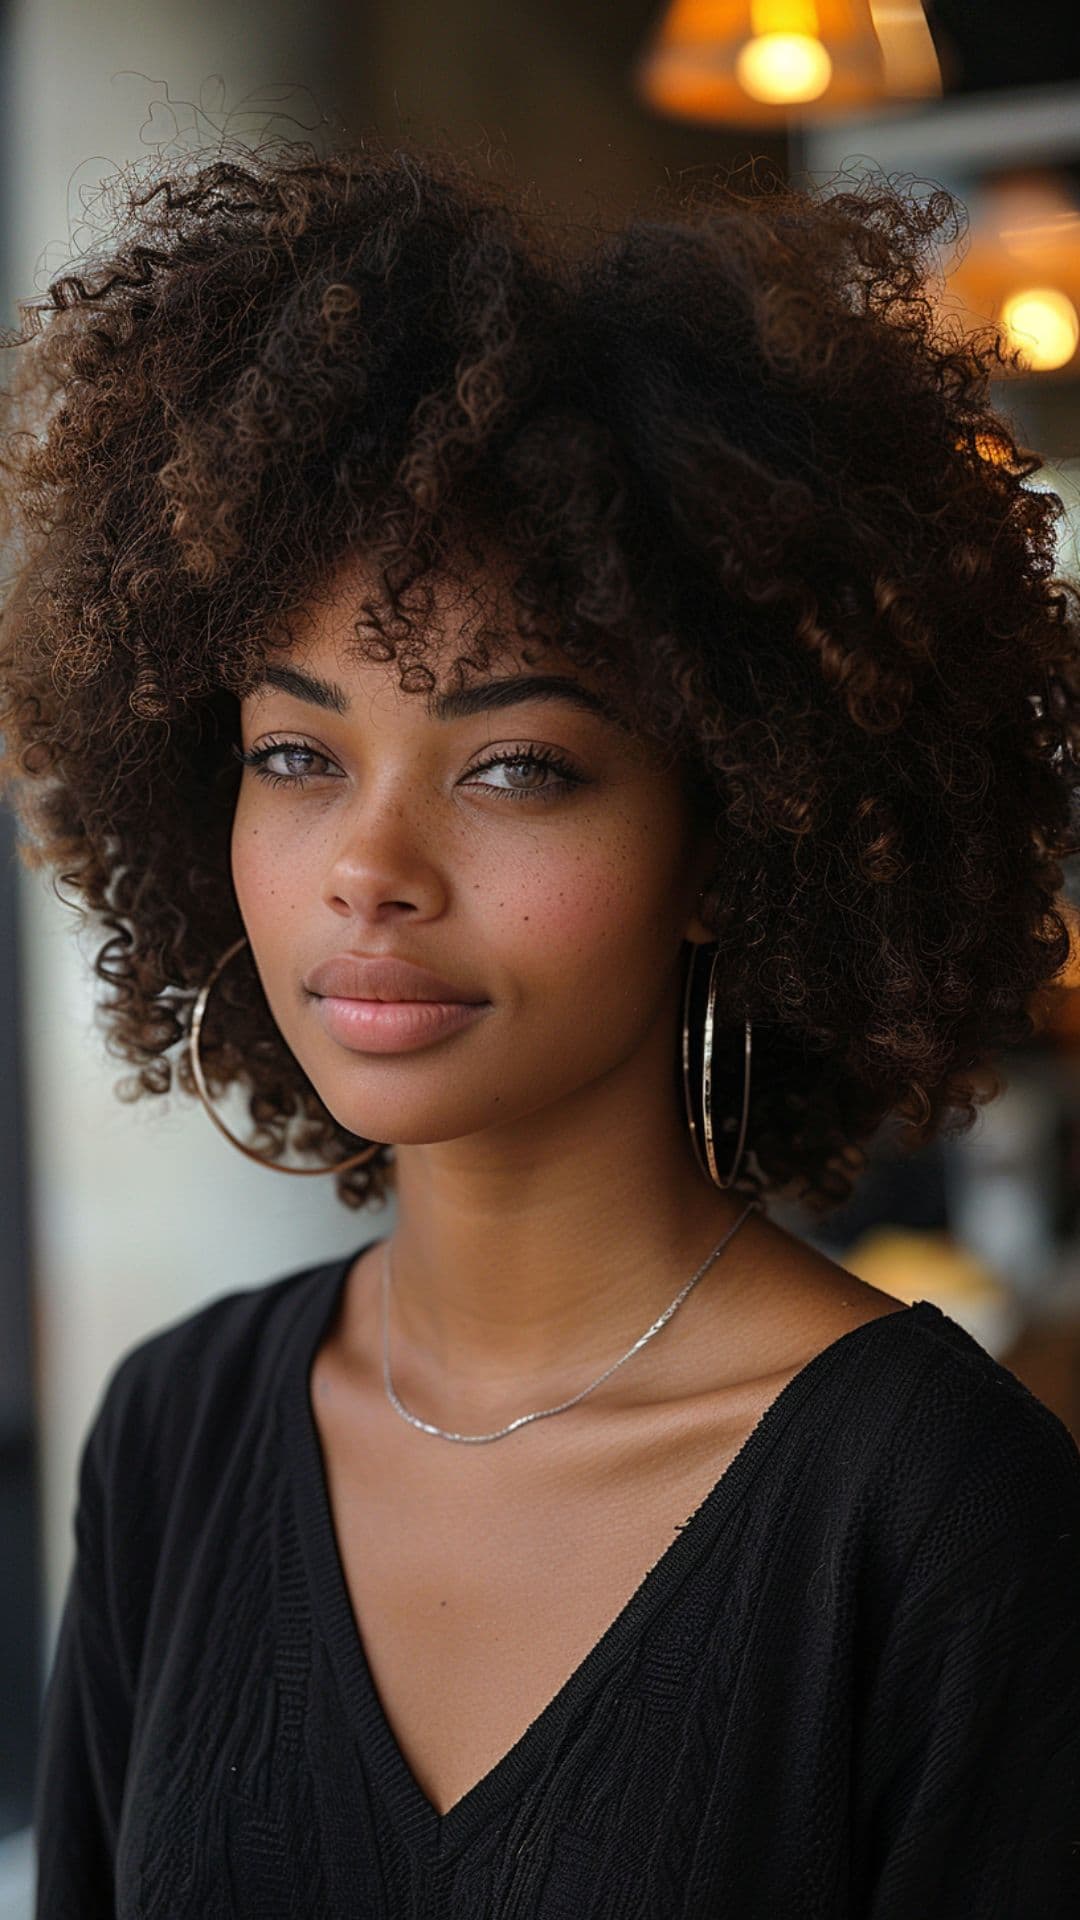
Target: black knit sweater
pixel 850 1687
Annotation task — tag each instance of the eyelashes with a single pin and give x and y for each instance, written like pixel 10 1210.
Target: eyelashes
pixel 564 775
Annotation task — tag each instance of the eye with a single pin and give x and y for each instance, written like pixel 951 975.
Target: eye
pixel 563 776
pixel 560 778
pixel 257 757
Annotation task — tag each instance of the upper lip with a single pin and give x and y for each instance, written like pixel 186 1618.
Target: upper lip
pixel 356 976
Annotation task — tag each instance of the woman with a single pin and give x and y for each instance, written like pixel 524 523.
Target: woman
pixel 582 735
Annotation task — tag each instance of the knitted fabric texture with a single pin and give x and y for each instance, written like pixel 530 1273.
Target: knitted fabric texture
pixel 848 1690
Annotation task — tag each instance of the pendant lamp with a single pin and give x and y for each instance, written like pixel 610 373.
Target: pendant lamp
pixel 757 61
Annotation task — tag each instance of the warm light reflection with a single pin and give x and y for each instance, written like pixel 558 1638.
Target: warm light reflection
pixel 907 45
pixel 989 447
pixel 1070 972
pixel 1042 322
pixel 783 67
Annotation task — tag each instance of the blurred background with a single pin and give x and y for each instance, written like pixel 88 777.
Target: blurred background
pixel 116 1220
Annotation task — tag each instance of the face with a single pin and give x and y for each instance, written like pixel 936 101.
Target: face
pixel 530 853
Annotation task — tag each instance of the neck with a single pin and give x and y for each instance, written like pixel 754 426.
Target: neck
pixel 528 1259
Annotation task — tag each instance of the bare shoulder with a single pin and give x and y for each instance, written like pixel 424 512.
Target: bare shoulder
pixel 801 1300
pixel 782 1303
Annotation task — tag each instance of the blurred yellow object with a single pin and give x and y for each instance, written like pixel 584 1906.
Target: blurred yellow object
pixel 1042 322
pixel 930 1264
pixel 754 60
pixel 920 1264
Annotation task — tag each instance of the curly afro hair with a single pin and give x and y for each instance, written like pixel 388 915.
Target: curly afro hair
pixel 737 455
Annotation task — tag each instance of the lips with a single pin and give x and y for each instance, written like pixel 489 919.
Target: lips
pixel 384 1004
pixel 351 976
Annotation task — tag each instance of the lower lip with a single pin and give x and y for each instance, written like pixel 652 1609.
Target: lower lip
pixel 394 1026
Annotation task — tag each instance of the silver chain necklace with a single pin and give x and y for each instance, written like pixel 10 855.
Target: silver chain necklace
pixel 473 1439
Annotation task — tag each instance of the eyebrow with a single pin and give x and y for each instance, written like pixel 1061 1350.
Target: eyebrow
pixel 455 704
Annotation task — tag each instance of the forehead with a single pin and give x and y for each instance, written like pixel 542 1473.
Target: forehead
pixel 455 631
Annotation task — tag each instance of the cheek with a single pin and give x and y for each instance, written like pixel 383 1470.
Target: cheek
pixel 567 909
pixel 273 916
pixel 260 878
pixel 246 859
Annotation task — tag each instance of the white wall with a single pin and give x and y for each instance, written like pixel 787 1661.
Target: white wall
pixel 139 1213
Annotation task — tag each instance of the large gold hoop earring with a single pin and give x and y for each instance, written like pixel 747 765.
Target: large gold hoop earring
pixel 707 1159
pixel 204 1093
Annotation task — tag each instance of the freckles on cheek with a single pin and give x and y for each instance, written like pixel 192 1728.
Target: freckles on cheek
pixel 574 910
pixel 256 875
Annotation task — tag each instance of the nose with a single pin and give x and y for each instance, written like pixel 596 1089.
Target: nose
pixel 385 866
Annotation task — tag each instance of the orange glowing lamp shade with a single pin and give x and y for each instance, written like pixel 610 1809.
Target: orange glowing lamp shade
pixel 761 60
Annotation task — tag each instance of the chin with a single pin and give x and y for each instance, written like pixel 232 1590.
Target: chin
pixel 408 1123
pixel 420 1122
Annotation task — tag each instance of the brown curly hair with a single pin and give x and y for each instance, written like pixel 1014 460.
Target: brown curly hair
pixel 740 460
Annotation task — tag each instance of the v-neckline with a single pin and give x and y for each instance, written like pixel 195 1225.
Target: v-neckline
pixel 417 1820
